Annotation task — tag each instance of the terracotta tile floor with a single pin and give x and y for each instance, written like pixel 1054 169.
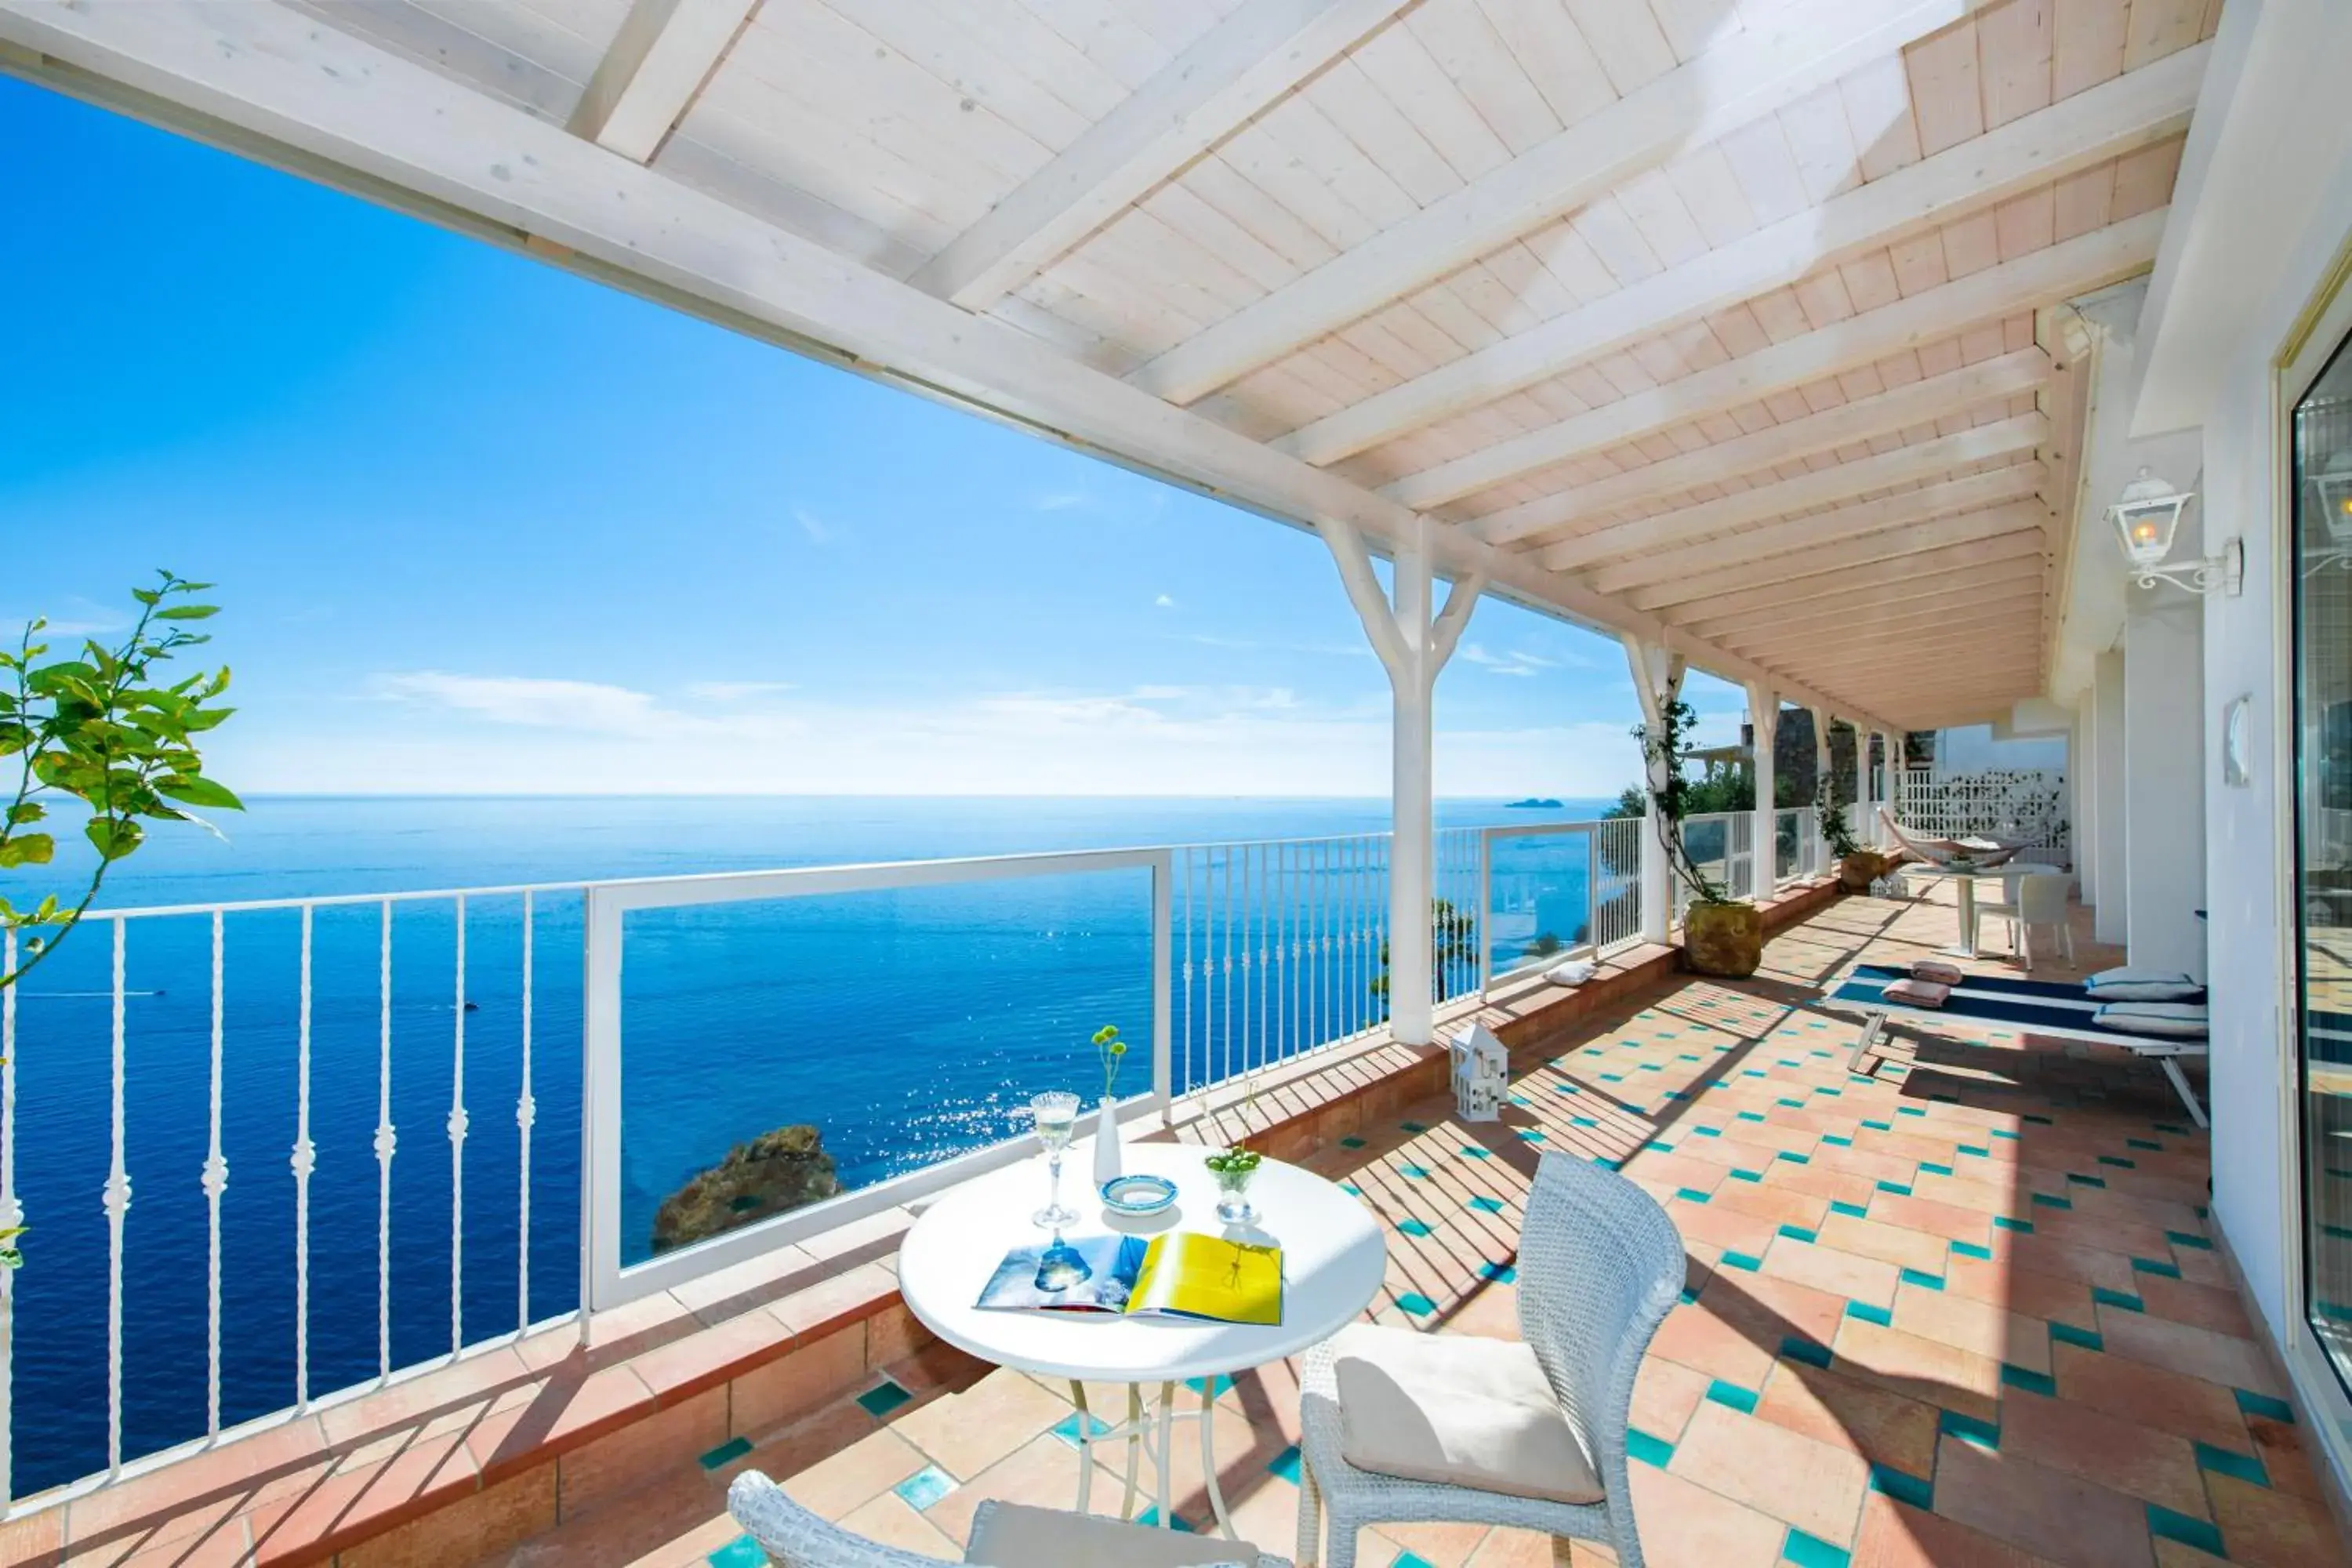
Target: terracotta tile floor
pixel 1964 1312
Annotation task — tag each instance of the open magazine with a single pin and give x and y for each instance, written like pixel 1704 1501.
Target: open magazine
pixel 1177 1274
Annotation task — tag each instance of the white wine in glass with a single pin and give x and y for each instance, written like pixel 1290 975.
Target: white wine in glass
pixel 1057 1118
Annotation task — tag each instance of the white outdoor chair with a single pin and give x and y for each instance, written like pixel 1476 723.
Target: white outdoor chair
pixel 2040 901
pixel 1484 1431
pixel 1003 1535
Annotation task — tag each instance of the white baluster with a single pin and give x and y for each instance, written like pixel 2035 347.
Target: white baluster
pixel 386 1142
pixel 1191 1080
pixel 526 1114
pixel 215 1181
pixel 458 1153
pixel 12 1213
pixel 304 1161
pixel 116 1199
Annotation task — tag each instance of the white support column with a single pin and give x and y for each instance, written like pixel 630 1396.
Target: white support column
pixel 1413 649
pixel 2109 924
pixel 1657 683
pixel 2164 781
pixel 2083 781
pixel 1764 839
pixel 1894 765
pixel 1866 830
pixel 1820 788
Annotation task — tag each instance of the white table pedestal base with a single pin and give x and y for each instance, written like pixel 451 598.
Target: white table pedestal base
pixel 1152 1434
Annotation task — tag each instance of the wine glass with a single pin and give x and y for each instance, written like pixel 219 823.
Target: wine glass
pixel 1058 1117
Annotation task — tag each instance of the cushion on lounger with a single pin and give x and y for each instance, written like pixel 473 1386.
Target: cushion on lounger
pixel 1917 992
pixel 1936 971
pixel 2129 984
pixel 2165 1020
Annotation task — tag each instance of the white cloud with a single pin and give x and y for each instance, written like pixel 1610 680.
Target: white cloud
pixel 738 690
pixel 815 527
pixel 529 703
pixel 1163 603
pixel 1518 661
pixel 1061 500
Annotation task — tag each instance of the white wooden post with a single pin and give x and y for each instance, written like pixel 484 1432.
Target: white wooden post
pixel 1820 785
pixel 1764 839
pixel 1413 649
pixel 1657 681
pixel 1865 831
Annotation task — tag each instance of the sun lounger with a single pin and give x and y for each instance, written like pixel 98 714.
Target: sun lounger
pixel 2034 1007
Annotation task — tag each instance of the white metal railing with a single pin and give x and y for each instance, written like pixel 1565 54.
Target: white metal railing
pixel 2014 806
pixel 163 1048
pixel 1794 832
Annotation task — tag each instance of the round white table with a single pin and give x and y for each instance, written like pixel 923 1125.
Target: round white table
pixel 1967 879
pixel 1333 1259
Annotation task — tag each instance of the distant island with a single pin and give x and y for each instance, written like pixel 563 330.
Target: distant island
pixel 1533 802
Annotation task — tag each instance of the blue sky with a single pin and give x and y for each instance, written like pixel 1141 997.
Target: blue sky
pixel 484 527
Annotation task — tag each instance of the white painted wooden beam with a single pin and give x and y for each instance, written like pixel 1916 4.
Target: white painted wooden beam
pixel 1920 652
pixel 1896 630
pixel 2055 272
pixel 1886 514
pixel 2129 111
pixel 664 52
pixel 1922 402
pixel 1755 72
pixel 1840 482
pixel 1922 540
pixel 1239 68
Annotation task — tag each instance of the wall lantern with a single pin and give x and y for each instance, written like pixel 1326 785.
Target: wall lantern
pixel 2147 515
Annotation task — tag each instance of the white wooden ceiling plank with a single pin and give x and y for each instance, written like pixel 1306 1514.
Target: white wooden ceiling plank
pixel 2086 43
pixel 1879 115
pixel 970 65
pixel 1626 39
pixel 2157 27
pixel 1822 140
pixel 2013 48
pixel 1222 81
pixel 1898 582
pixel 1112 40
pixel 1814 558
pixel 2057 271
pixel 1395 61
pixel 2086 130
pixel 1756 74
pixel 1714 197
pixel 2012 591
pixel 1823 487
pixel 1245 204
pixel 1370 119
pixel 1546 41
pixel 1466 46
pixel 1766 170
pixel 1657 209
pixel 894 246
pixel 1947 104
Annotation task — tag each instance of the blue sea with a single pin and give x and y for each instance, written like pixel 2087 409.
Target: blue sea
pixel 906 1026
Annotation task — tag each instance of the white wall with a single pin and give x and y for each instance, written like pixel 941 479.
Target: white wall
pixel 1975 748
pixel 2110 922
pixel 2163 792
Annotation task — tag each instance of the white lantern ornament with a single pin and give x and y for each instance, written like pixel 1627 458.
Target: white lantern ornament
pixel 1482 1074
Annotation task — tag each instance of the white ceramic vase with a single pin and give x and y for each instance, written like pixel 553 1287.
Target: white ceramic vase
pixel 1106 1160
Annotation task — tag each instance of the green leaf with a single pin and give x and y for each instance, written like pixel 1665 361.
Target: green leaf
pixel 113 837
pixel 191 789
pixel 188 613
pixel 28 850
pixel 30 811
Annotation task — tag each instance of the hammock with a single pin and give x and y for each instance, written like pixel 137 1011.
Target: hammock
pixel 1983 852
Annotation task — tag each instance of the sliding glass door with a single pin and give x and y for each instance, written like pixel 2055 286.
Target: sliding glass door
pixel 2322 460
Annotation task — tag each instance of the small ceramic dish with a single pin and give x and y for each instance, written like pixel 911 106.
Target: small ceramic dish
pixel 1138 1195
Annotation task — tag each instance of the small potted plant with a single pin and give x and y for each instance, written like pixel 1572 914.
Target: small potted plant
pixel 1721 935
pixel 1857 866
pixel 1112 1050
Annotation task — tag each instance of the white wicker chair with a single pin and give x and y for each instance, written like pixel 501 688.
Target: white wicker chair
pixel 793 1537
pixel 1599 1267
pixel 2040 901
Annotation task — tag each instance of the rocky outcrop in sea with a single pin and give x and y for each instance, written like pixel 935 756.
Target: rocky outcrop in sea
pixel 773 1174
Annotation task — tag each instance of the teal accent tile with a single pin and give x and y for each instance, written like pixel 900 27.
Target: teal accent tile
pixel 1798 1233
pixel 1411 1127
pixel 1903 1487
pixel 1970 1249
pixel 1925 1280
pixel 1536 1135
pixel 1351 1143
pixel 925 1487
pixel 1286 1464
pixel 2156 1267
pixel 1498 1273
pixel 2117 1160
pixel 1752 1116
pixel 1413 1226
pixel 726 1453
pixel 1708 1131
pixel 2003 1222
pixel 1416 1304
pixel 1853 1211
pixel 1909 1110
pixel 1836 1141
pixel 740 1552
pixel 1791 1104
pixel 1612 1077
pixel 2045 1201
pixel 1880 1126
pixel 1811 1551
pixel 1640 1446
pixel 883 1398
pixel 1747 1175
pixel 2183 1238
pixel 1980 1150
pixel 1794 1159
pixel 1937 1169
pixel 1688 1056
pixel 2002 1132
pixel 2142 1144
pixel 2172 1127
pixel 1611 1164
pixel 1214 1389
pixel 2222 1461
pixel 1753 1072
pixel 1414 1172
pixel 2107 1298
pixel 1472 1152
pixel 1582 1121
pixel 2067 1333
pixel 2189 1531
pixel 1945 1098
pixel 1742 1260
pixel 1812 1352
pixel 1899 1189
pixel 1066 1429
pixel 1984 1435
pixel 2083 1181
pixel 1487 1205
pixel 1691 1194
pixel 1676 1094
pixel 1352 1190
pixel 2042 1121
pixel 2028 1379
pixel 2263 1404
pixel 1865 1312
pixel 1740 1399
pixel 1689 1295
pixel 1149 1520
pixel 1567 1089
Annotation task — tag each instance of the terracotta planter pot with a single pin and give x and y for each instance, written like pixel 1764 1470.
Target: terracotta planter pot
pixel 1858 870
pixel 1725 940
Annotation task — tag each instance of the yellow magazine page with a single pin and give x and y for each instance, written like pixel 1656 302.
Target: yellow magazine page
pixel 1208 1277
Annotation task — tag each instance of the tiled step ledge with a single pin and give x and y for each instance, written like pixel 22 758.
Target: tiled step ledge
pixel 471 1459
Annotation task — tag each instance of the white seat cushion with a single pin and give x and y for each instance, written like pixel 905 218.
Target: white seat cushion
pixel 1459 1411
pixel 1014 1535
pixel 2129 984
pixel 2169 1020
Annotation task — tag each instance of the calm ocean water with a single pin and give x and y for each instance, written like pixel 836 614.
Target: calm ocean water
pixel 907 1026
